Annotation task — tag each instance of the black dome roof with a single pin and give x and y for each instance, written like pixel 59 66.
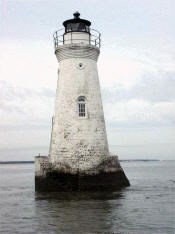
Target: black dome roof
pixel 76 19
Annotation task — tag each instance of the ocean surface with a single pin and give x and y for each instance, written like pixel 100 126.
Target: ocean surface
pixel 147 206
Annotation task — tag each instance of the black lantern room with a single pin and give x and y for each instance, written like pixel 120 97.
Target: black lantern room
pixel 77 24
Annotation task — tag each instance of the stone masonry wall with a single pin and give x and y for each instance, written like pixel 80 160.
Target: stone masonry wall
pixel 80 142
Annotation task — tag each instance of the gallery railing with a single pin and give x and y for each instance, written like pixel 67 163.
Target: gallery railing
pixel 60 38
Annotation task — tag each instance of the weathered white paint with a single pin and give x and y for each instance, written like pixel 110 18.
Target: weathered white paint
pixel 76 38
pixel 79 142
pixel 41 162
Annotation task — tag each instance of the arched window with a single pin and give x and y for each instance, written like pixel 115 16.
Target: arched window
pixel 82 106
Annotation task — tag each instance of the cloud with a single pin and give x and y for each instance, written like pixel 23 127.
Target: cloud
pixel 152 87
pixel 25 120
pixel 155 87
pixel 26 64
pixel 136 113
pixel 149 102
pixel 25 107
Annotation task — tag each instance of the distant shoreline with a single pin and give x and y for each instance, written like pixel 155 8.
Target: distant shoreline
pixel 16 162
pixel 123 160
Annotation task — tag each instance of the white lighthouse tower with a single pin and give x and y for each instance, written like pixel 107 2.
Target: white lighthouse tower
pixel 78 134
pixel 79 156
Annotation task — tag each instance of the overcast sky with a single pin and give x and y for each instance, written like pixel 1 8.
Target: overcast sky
pixel 136 70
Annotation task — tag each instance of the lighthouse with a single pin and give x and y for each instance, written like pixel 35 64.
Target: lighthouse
pixel 79 157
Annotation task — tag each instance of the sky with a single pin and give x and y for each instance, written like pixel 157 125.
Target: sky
pixel 136 71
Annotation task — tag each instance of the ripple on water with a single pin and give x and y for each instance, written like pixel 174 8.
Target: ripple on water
pixel 145 207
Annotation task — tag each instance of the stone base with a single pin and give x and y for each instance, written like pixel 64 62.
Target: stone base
pixel 55 181
pixel 106 176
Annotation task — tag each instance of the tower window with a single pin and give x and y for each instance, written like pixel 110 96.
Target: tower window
pixel 82 106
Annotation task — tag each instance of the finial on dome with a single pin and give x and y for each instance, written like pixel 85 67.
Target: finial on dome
pixel 76 15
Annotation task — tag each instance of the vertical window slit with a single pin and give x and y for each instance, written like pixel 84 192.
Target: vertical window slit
pixel 82 106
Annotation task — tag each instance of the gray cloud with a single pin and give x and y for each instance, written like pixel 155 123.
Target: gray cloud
pixel 152 88
pixel 10 92
pixel 149 103
pixel 17 99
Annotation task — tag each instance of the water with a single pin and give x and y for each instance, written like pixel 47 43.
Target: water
pixel 148 206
